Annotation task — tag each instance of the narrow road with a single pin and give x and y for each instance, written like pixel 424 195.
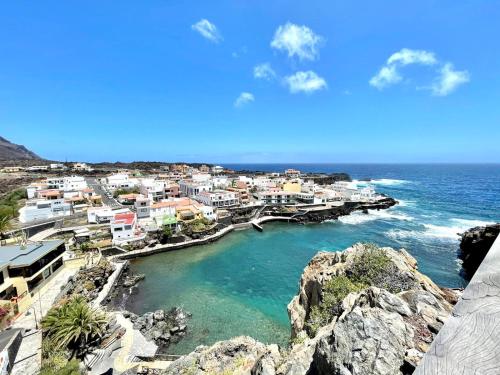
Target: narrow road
pixel 99 189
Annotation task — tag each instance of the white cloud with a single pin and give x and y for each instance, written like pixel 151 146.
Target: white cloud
pixel 307 82
pixel 449 79
pixel 446 82
pixel 387 75
pixel 297 40
pixel 411 56
pixel 264 71
pixel 208 30
pixel 243 99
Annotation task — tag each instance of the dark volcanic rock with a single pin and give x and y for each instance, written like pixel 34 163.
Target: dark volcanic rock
pixel 474 246
pixel 89 282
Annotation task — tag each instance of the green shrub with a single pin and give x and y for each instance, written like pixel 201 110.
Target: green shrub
pixel 334 292
pixel 369 265
pixel 70 368
pixel 374 267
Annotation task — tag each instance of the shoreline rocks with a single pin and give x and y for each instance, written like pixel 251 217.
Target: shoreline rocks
pixel 474 245
pixel 161 326
pixel 384 325
pixel 88 282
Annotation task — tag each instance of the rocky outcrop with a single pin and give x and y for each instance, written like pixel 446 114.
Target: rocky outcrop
pixel 474 246
pixel 333 213
pixel 384 326
pixel 89 282
pixel 241 355
pixel 131 280
pixel 162 327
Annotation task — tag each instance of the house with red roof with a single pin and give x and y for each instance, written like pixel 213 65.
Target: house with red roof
pixel 124 228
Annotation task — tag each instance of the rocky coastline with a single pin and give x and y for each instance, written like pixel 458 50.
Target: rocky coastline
pixel 163 327
pixel 474 245
pixel 366 310
pixel 333 213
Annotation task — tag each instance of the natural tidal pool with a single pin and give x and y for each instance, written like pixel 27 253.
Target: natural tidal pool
pixel 242 284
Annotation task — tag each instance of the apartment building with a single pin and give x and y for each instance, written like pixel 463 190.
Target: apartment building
pixel 190 188
pixel 43 209
pixel 25 268
pixel 218 198
pixel 276 197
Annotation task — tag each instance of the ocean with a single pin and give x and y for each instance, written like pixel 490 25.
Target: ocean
pixel 241 284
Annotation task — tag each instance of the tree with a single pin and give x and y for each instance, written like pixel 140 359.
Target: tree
pixel 5 224
pixel 74 325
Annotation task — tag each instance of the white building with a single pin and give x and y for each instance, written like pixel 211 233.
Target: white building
pixel 74 183
pixel 124 228
pixel 82 167
pixel 153 189
pixel 217 169
pixel 276 197
pixel 120 181
pixel 220 182
pixel 57 166
pixel 103 215
pixel 142 207
pixel 201 177
pixel 191 188
pixel 208 212
pixel 42 209
pixel 218 198
pixel 161 209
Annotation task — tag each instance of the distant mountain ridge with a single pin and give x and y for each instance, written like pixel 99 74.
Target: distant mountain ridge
pixel 11 151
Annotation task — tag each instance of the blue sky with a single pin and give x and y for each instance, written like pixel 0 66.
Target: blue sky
pixel 252 81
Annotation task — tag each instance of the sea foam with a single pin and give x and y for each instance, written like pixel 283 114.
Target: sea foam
pixel 443 232
pixel 359 217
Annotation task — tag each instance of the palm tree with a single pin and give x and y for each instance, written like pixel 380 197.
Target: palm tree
pixel 74 325
pixel 5 224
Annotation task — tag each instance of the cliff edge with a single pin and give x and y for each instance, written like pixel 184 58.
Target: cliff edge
pixel 366 310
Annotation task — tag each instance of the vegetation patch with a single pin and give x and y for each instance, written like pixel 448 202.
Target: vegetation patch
pixel 9 208
pixel 371 267
pixel 118 192
pixel 334 292
pixel 374 267
pixel 74 327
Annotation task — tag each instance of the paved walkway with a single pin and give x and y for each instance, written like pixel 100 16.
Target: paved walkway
pixel 28 359
pixel 160 248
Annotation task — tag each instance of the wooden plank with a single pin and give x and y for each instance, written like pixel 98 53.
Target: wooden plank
pixel 469 342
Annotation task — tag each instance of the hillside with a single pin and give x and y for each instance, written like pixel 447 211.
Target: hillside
pixel 11 151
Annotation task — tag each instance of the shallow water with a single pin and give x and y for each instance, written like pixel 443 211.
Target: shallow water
pixel 241 284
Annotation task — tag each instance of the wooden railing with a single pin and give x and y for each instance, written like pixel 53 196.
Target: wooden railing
pixel 469 341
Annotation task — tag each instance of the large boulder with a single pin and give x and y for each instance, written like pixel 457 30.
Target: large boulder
pixel 239 356
pixel 474 246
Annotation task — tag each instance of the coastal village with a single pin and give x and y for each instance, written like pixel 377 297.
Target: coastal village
pixel 68 231
pixel 74 226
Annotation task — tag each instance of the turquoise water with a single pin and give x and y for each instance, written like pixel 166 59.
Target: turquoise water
pixel 242 283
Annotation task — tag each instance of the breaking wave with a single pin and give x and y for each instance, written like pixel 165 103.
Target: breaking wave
pixel 450 232
pixel 359 217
